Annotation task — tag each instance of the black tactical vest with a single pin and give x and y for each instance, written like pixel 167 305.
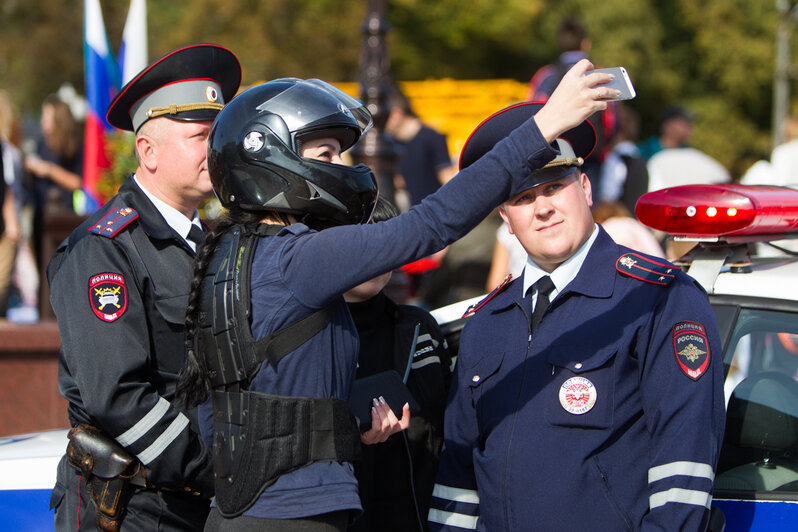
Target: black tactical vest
pixel 257 436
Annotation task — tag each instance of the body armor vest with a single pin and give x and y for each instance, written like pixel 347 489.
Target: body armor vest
pixel 257 436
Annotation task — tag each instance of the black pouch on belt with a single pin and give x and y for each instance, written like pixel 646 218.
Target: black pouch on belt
pixel 108 470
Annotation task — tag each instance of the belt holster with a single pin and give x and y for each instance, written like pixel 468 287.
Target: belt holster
pixel 107 469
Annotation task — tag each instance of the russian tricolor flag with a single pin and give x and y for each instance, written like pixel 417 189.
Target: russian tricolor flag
pixel 102 83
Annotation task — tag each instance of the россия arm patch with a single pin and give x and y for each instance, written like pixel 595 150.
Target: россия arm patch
pixel 691 348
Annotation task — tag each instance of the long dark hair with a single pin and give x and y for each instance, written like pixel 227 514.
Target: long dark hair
pixel 194 384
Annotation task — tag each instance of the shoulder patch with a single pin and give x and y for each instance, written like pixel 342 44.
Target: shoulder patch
pixel 113 222
pixel 645 269
pixel 476 306
pixel 108 296
pixel 691 348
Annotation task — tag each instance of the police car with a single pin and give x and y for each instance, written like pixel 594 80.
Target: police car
pixel 743 240
pixel 27 475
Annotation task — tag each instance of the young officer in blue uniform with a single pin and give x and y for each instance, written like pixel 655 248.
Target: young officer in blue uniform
pixel 603 408
pixel 295 242
pixel 119 287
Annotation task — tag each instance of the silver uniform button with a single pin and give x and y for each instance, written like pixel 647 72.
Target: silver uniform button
pixel 578 365
pixel 475 378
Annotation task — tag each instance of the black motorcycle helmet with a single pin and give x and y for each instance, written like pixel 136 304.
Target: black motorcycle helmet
pixel 254 147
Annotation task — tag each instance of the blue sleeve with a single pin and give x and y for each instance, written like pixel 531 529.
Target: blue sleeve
pixel 205 420
pixel 684 408
pixel 455 500
pixel 353 254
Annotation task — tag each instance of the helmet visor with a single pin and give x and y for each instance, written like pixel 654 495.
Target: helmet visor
pixel 313 101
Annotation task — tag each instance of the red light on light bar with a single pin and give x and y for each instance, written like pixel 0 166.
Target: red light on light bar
pixel 720 210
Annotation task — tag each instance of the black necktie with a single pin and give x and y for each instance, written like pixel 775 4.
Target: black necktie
pixel 196 235
pixel 544 287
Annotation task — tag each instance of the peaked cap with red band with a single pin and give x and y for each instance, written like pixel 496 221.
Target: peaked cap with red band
pixel 574 145
pixel 191 83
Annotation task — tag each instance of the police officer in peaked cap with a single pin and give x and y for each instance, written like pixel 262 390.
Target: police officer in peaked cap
pixel 119 287
pixel 588 393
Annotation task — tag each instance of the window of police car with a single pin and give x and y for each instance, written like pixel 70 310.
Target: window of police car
pixel 760 450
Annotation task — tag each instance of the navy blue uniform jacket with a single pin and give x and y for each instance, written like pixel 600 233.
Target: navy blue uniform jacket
pixel 641 458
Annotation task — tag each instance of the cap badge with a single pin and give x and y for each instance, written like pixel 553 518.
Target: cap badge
pixel 211 94
pixel 577 395
pixel 253 141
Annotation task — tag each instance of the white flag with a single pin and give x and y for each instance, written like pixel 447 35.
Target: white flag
pixel 133 52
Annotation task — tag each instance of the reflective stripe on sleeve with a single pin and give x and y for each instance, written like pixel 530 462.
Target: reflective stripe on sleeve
pixel 453 519
pixel 697 498
pixel 162 442
pixel 689 469
pixel 455 494
pixel 426 361
pixel 427 337
pixel 146 423
pixel 455 507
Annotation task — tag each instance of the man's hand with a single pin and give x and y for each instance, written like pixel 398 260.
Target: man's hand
pixel 384 422
pixel 579 95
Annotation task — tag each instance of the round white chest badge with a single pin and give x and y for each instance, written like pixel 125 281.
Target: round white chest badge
pixel 577 395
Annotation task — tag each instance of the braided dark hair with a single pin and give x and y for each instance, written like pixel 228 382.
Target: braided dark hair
pixel 194 383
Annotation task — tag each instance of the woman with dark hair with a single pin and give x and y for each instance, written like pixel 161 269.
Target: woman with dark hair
pixel 270 339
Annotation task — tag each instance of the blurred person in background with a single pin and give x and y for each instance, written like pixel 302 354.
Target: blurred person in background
pixel 671 161
pixel 11 175
pixel 423 166
pixel 573 41
pixel 624 176
pixel 784 159
pixel 424 163
pixel 624 228
pixel 675 130
pixel 56 166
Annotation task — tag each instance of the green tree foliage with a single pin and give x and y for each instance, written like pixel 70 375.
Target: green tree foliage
pixel 714 56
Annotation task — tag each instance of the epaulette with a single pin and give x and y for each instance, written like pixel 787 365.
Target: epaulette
pixel 114 221
pixel 645 269
pixel 476 306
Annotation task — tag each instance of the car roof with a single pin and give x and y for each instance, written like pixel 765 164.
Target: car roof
pixel 771 278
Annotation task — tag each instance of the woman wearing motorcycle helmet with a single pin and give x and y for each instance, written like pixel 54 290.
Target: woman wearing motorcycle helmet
pixel 270 336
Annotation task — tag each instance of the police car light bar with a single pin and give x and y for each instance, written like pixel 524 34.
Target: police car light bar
pixel 701 211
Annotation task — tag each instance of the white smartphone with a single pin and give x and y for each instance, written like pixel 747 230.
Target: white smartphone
pixel 621 82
